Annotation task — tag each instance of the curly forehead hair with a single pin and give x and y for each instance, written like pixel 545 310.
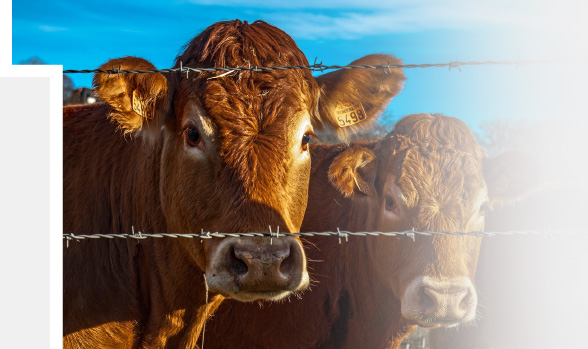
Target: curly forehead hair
pixel 438 167
pixel 240 44
pixel 433 131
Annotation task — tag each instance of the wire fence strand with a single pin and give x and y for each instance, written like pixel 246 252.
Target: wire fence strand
pixel 339 233
pixel 314 67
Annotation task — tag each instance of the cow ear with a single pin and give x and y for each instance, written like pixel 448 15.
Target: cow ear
pixel 134 98
pixel 352 99
pixel 354 171
pixel 512 176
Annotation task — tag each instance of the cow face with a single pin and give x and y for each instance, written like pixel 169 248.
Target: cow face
pixel 234 146
pixel 426 175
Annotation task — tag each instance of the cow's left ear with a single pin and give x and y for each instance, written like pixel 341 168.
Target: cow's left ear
pixel 352 99
pixel 354 171
pixel 134 98
pixel 512 176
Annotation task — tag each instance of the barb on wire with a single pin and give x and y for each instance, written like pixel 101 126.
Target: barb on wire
pixel 457 64
pixel 315 67
pixel 411 234
pixel 339 233
pixel 272 234
pixel 342 234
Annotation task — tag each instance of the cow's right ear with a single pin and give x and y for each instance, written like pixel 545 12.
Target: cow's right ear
pixel 351 100
pixel 354 171
pixel 512 176
pixel 134 98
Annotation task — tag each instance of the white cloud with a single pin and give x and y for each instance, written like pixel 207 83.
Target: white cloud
pixel 311 4
pixel 353 18
pixel 350 24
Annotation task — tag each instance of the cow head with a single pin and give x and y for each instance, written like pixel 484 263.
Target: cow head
pixel 234 145
pixel 427 175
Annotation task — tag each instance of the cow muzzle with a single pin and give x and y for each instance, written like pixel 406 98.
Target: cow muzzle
pixel 249 269
pixel 432 302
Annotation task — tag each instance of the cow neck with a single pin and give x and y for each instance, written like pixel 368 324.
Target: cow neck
pixel 113 171
pixel 121 180
pixel 177 305
pixel 363 312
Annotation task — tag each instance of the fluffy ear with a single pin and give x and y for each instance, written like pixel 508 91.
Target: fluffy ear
pixel 354 170
pixel 134 98
pixel 512 176
pixel 352 99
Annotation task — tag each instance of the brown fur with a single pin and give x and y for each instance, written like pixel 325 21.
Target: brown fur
pixel 128 165
pixel 357 286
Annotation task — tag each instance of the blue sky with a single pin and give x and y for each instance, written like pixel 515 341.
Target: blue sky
pixel 85 34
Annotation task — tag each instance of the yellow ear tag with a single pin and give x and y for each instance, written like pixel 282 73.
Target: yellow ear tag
pixel 141 107
pixel 349 113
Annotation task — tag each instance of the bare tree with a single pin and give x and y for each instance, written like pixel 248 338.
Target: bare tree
pixel 559 144
pixel 498 136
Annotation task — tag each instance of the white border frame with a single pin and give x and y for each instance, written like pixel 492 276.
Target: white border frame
pixel 55 316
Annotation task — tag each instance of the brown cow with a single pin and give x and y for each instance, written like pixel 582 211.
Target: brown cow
pixel 371 292
pixel 180 154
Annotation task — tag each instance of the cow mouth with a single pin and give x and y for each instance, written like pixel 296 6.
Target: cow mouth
pixel 241 294
pixel 260 295
pixel 435 322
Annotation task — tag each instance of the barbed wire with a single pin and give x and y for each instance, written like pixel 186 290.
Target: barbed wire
pixel 339 233
pixel 314 67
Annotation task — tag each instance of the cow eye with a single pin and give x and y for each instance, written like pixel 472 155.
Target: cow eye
pixel 193 137
pixel 484 208
pixel 305 140
pixel 389 203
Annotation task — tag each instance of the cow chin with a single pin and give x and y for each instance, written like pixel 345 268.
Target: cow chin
pixel 431 302
pixel 230 288
pixel 249 269
pixel 255 296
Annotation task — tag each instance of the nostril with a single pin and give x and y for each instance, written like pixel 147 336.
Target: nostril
pixel 288 263
pixel 427 298
pixel 237 264
pixel 466 301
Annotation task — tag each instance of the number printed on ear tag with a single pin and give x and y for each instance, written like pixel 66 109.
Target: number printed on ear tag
pixel 349 113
